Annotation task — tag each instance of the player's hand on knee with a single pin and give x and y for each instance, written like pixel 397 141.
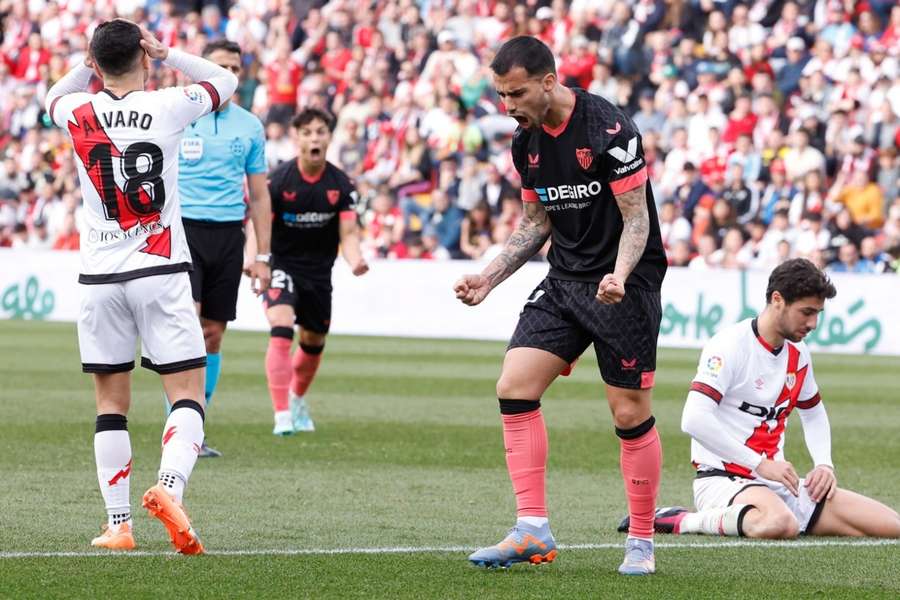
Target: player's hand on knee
pixel 611 290
pixel 781 471
pixel 361 267
pixel 821 483
pixel 471 289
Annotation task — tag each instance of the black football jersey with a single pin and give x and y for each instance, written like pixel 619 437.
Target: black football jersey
pixel 306 216
pixel 575 172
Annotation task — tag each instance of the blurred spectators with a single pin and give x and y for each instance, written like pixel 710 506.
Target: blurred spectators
pixel 771 129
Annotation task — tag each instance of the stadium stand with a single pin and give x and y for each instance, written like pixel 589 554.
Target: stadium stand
pixel 771 128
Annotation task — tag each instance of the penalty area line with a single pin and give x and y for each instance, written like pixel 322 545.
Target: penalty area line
pixel 788 545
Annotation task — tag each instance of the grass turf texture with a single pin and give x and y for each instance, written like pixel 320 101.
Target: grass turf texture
pixel 407 452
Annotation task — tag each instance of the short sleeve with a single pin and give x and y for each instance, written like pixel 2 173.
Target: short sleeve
pixel 525 163
pixel 714 371
pixel 349 197
pixel 256 158
pixel 622 164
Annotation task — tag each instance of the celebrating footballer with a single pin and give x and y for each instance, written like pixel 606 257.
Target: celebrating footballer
pixel 584 187
pixel 314 206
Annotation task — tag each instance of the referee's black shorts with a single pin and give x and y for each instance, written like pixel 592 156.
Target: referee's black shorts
pixel 217 251
pixel 564 318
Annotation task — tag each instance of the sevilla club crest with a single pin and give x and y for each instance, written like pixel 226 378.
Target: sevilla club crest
pixel 585 157
pixel 333 196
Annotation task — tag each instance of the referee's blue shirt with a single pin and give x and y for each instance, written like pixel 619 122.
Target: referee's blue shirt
pixel 216 152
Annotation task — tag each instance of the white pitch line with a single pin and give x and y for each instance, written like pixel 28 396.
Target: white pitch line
pixel 790 544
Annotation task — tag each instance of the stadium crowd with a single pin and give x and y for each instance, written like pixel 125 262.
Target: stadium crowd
pixel 771 128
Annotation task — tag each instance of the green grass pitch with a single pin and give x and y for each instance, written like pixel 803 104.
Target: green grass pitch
pixel 408 454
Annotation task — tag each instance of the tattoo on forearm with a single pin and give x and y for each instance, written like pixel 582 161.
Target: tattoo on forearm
pixel 635 229
pixel 525 241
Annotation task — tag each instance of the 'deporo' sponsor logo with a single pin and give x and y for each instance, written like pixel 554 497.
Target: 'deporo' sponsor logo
pixel 307 219
pixel 569 192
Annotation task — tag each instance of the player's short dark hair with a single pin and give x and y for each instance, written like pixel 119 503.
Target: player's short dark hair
pixel 222 44
pixel 116 46
pixel 527 52
pixel 308 115
pixel 799 278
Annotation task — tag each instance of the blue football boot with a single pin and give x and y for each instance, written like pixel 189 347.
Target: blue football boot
pixel 523 543
pixel 639 559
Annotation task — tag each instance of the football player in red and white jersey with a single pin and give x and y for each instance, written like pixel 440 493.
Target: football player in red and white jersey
pixel 135 259
pixel 751 376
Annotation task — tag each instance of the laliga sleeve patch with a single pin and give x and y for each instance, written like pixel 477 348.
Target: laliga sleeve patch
pixel 713 366
pixel 194 94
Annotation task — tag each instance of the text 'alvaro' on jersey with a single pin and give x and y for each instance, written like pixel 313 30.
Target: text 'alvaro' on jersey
pixel 127 159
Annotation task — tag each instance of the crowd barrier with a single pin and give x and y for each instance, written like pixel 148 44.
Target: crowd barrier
pixel 415 299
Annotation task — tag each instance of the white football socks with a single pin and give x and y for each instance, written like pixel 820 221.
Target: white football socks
pixel 533 521
pixel 112 453
pixel 181 441
pixel 715 521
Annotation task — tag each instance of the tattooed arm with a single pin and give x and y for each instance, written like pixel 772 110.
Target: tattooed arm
pixel 526 240
pixel 635 229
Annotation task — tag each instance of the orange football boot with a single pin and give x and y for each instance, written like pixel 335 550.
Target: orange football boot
pixel 160 504
pixel 117 537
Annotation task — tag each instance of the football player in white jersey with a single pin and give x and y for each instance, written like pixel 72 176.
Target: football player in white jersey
pixel 135 260
pixel 751 376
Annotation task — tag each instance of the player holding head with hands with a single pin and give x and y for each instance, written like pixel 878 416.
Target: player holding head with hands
pixel 135 259
pixel 751 377
pixel 584 187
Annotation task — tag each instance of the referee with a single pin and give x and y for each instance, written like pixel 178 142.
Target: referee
pixel 217 151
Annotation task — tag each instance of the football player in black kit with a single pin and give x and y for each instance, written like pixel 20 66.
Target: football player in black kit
pixel 584 186
pixel 314 206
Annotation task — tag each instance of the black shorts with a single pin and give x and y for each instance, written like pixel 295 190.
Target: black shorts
pixel 217 251
pixel 310 298
pixel 564 317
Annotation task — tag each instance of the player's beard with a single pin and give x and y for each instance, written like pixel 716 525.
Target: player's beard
pixel 523 121
pixel 795 335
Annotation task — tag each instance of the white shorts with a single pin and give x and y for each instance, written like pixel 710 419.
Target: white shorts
pixel 719 491
pixel 159 309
